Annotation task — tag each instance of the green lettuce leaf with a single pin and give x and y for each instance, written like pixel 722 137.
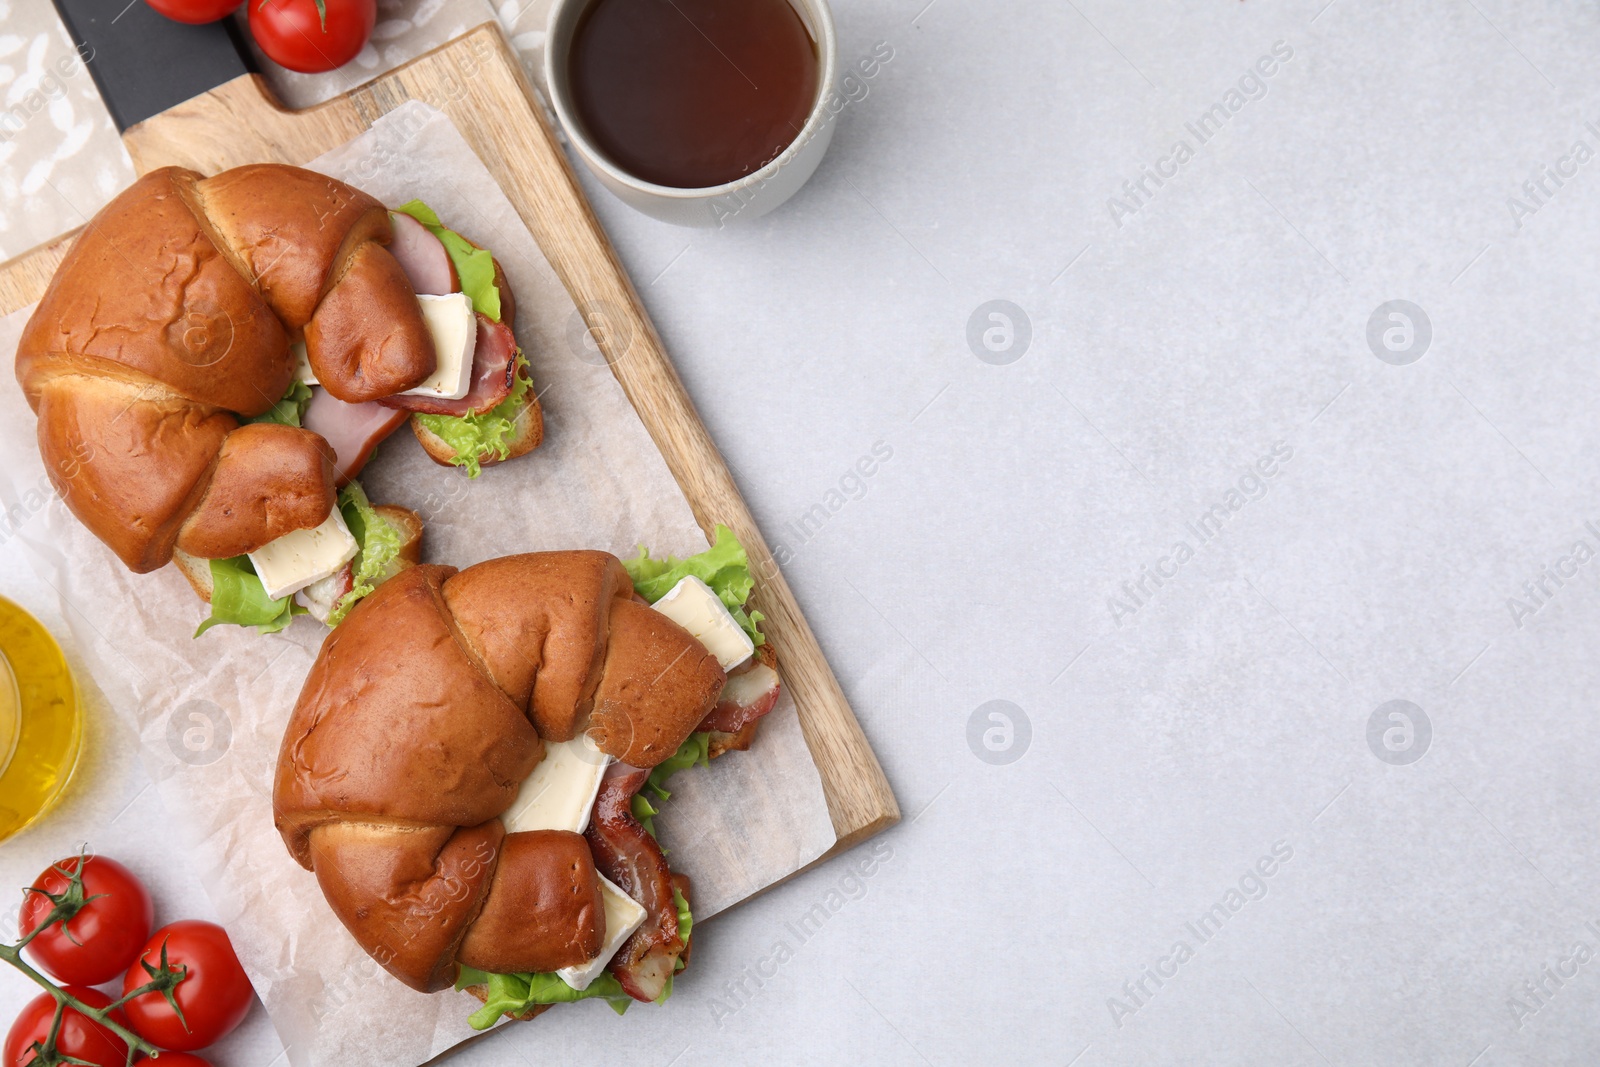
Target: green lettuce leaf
pixel 289 410
pixel 515 993
pixel 685 918
pixel 725 567
pixel 475 265
pixel 696 751
pixel 380 548
pixel 685 928
pixel 488 432
pixel 239 599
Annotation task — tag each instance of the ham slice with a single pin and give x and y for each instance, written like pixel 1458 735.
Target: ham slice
pixel 746 697
pixel 624 853
pixel 353 430
pixel 422 256
pixel 494 368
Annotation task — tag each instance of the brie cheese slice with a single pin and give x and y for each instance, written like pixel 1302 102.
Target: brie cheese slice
pixel 302 364
pixel 455 339
pixel 692 605
pixel 623 917
pixel 302 557
pixel 559 794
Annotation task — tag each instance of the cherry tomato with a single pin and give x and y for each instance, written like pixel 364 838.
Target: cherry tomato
pixel 214 997
pixel 293 33
pixel 80 1037
pixel 195 12
pixel 99 942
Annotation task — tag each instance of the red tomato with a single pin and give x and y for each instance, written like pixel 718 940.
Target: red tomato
pixel 195 12
pixel 215 996
pixel 294 34
pixel 80 1037
pixel 104 937
pixel 176 1059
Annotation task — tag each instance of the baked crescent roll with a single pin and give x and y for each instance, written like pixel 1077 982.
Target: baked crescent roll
pixel 424 712
pixel 169 323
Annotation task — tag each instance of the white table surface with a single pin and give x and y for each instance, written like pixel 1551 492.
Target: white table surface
pixel 1175 740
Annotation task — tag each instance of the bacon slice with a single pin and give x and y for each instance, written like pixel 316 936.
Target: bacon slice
pixel 494 368
pixel 422 256
pixel 353 430
pixel 747 696
pixel 628 856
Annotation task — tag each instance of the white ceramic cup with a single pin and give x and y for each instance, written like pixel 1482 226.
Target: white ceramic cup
pixel 748 197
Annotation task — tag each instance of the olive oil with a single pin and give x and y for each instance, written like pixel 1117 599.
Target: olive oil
pixel 41 720
pixel 693 93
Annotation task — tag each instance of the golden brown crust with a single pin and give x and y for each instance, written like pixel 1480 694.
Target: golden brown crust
pixel 541 616
pixel 407 894
pixel 129 461
pixel 144 287
pixel 543 910
pixel 367 339
pixel 422 737
pixel 270 480
pixel 415 722
pixel 171 317
pixel 658 683
pixel 288 229
pixel 195 571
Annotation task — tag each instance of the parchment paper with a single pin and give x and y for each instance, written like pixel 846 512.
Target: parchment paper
pixel 210 712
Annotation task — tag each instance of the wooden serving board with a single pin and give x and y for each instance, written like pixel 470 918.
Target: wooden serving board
pixel 479 83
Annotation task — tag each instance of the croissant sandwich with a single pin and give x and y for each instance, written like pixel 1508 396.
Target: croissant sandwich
pixel 473 764
pixel 216 358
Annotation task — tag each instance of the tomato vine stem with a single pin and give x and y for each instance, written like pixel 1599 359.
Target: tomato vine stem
pixel 64 906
